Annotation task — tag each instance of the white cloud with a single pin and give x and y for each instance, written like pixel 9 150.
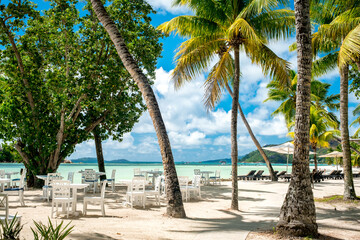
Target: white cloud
pixel 192 139
pixel 167 6
pixel 126 143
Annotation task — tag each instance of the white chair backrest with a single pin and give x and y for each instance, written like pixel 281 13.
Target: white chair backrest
pixel 71 177
pixel 183 181
pixel 113 174
pixel 22 178
pixel 217 173
pixel 53 176
pixel 136 171
pixel 4 205
pixel 197 171
pixel 138 185
pixel 196 181
pixel 157 184
pixel 89 174
pixel 2 173
pixel 103 189
pixel 61 188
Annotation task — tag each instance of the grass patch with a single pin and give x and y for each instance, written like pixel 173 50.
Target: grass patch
pixel 336 199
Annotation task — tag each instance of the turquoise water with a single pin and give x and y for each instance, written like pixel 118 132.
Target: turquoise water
pixel 125 171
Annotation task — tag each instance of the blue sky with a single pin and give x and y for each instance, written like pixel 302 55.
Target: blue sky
pixel 195 134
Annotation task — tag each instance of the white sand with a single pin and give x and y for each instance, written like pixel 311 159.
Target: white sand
pixel 209 218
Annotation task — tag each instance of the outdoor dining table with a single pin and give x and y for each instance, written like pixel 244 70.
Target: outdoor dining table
pixel 206 174
pixel 154 174
pixel 74 187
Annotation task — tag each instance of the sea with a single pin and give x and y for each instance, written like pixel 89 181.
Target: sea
pixel 125 170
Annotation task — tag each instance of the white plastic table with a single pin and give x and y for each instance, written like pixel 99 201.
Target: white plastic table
pixel 3 181
pixel 206 174
pixel 74 187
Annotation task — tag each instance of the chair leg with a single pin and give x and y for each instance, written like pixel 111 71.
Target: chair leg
pixel 21 198
pixel 52 210
pixel 103 209
pixel 85 208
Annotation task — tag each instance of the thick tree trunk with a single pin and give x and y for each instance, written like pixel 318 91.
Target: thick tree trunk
pixel 349 190
pixel 99 153
pixel 256 142
pixel 175 206
pixel 234 145
pixel 297 215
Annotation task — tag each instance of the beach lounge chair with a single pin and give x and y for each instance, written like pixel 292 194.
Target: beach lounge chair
pixel 286 177
pixel 334 174
pixel 244 177
pixel 268 177
pixel 257 175
pixel 100 200
pixel 281 174
pixel 317 176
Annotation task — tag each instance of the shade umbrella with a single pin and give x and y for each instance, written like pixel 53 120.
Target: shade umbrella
pixel 334 154
pixel 285 148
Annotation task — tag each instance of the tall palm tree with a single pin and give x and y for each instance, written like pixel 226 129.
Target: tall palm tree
pixel 175 206
pixel 297 215
pixel 286 94
pixel 217 29
pixel 338 37
pixel 322 129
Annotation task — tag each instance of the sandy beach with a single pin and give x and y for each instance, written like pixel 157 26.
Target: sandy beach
pixel 208 218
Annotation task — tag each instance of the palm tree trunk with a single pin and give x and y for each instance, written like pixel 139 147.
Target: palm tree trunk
pixel 315 160
pixel 257 144
pixel 297 214
pixel 175 206
pixel 99 152
pixel 349 190
pixel 234 145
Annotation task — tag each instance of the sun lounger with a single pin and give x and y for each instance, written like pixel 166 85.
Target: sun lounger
pixel 286 177
pixel 334 174
pixel 243 177
pixel 356 175
pixel 281 174
pixel 256 176
pixel 330 175
pixel 268 177
pixel 317 176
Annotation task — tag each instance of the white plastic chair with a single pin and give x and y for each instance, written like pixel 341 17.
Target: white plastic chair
pixel 112 180
pixel 47 188
pixel 4 208
pixel 90 178
pixel 216 178
pixel 195 187
pixel 197 171
pixel 136 193
pixel 71 177
pixel 18 190
pixel 183 183
pixel 137 173
pixel 100 200
pixel 156 191
pixel 61 195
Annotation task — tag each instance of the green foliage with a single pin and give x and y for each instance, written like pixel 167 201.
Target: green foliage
pixel 51 232
pixel 354 77
pixel 11 230
pixel 68 67
pixel 9 154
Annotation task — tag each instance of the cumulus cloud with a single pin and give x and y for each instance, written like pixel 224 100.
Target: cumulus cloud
pixel 163 6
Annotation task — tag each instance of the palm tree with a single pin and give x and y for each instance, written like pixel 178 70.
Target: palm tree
pixel 338 36
pixel 217 29
pixel 175 206
pixel 357 120
pixel 286 94
pixel 322 129
pixel 297 215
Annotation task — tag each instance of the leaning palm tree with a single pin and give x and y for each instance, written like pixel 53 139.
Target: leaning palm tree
pixel 297 215
pixel 175 206
pixel 217 29
pixel 338 37
pixel 322 129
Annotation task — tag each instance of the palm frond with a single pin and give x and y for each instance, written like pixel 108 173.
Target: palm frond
pixel 220 74
pixel 256 7
pixel 350 49
pixel 275 24
pixel 325 64
pixel 270 63
pixel 188 26
pixel 240 27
